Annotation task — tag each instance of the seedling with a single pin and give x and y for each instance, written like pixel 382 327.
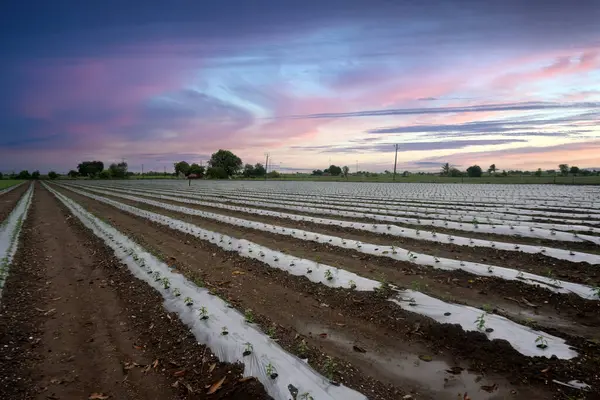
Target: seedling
pixel 383 289
pixel 541 341
pixel 271 371
pixel 480 322
pixel 248 349
pixel 188 301
pixel 520 275
pixel 249 317
pixel 394 250
pixel 308 270
pixel 306 396
pixel 437 260
pixel 330 368
pixel 352 285
pixel 224 331
pixel 328 275
pixel 416 286
pixel 487 308
pixel 156 276
pixel 596 291
pixel 302 349
pixel 271 331
pixel 490 269
pixel 166 283
pixel 203 313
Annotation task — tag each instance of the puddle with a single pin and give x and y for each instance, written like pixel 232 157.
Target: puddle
pixel 424 379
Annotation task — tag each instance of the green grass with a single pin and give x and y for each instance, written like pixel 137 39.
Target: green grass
pixel 415 178
pixel 5 183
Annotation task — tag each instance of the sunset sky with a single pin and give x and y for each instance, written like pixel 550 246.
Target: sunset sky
pixel 514 82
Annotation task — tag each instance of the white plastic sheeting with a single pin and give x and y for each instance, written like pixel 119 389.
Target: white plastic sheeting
pixel 522 338
pixel 9 234
pixel 229 347
pixel 10 188
pixel 393 252
pixel 574 256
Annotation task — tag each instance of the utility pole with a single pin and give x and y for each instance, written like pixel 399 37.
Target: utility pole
pixel 357 167
pixel 142 171
pixel 266 165
pixel 395 162
pixel 165 167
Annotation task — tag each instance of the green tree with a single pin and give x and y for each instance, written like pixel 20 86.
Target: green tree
pixel 474 171
pixel 216 173
pixel 118 170
pixel 455 173
pixel 334 170
pixel 492 169
pixel 574 170
pixel 182 167
pixel 538 172
pixel 24 175
pixel 90 168
pixel 317 172
pixel 35 174
pixel 1 175
pixel 564 169
pixel 52 175
pixel 227 160
pixel 248 171
pixel 259 170
pixel 73 174
pixel 446 169
pixel 345 171
pixel 273 174
pixel 197 170
pixel 104 174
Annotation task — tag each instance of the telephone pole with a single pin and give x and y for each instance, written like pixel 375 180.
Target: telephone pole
pixel 142 171
pixel 395 162
pixel 266 165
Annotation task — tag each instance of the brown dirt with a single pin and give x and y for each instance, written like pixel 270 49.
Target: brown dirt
pixel 9 200
pixel 293 296
pixel 571 313
pixel 73 321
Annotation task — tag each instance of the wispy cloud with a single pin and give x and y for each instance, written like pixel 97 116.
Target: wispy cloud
pixel 409 146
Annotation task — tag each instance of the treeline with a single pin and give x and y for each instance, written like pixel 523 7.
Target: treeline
pixel 475 171
pixel 333 170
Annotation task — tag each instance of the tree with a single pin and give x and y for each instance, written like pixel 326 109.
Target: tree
pixel 335 170
pixel 182 167
pixel 52 175
pixel 104 174
pixel 35 174
pixel 550 172
pixel 446 169
pixel 90 168
pixel 455 173
pixel 273 174
pixel 492 169
pixel 73 174
pixel 574 170
pixel 345 171
pixel 1 175
pixel 474 171
pixel 538 172
pixel 225 159
pixel 248 171
pixel 317 172
pixel 259 170
pixel 585 172
pixel 118 170
pixel 564 169
pixel 196 169
pixel 24 175
pixel 216 173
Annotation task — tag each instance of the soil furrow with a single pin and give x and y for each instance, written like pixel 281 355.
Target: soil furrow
pixel 9 200
pixel 74 321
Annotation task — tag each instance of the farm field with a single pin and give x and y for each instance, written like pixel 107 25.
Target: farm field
pixel 306 290
pixel 7 183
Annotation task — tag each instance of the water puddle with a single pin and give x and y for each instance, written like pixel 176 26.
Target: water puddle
pixel 426 377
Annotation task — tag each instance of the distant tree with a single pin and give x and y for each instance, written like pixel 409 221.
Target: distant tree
pixel 492 169
pixel 574 170
pixel 35 174
pixel 551 172
pixel 454 172
pixel 52 175
pixel 538 172
pixel 196 169
pixel 585 172
pixel 474 171
pixel 118 170
pixel 259 170
pixel 90 168
pixel 335 170
pixel 24 175
pixel 182 167
pixel 446 169
pixel 273 175
pixel 216 173
pixel 504 173
pixel 345 171
pixel 225 159
pixel 405 174
pixel 317 172
pixel 248 171
pixel 73 174
pixel 1 175
pixel 104 174
pixel 564 169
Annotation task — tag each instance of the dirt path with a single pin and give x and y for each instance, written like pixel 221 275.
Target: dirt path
pixel 74 322
pixel 9 200
pixel 302 310
pixel 567 313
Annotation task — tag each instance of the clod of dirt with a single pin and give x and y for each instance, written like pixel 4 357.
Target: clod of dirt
pixel 358 349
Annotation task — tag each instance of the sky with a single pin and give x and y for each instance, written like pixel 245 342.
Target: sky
pixel 312 83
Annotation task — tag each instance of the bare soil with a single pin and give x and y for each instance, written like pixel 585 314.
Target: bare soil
pixel 9 200
pixel 294 303
pixel 74 322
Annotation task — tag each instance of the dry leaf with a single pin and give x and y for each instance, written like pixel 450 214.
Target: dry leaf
pixel 180 373
pixel 130 365
pixel 155 364
pixel 216 386
pixel 247 378
pixel 212 367
pixel 135 346
pixel 98 396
